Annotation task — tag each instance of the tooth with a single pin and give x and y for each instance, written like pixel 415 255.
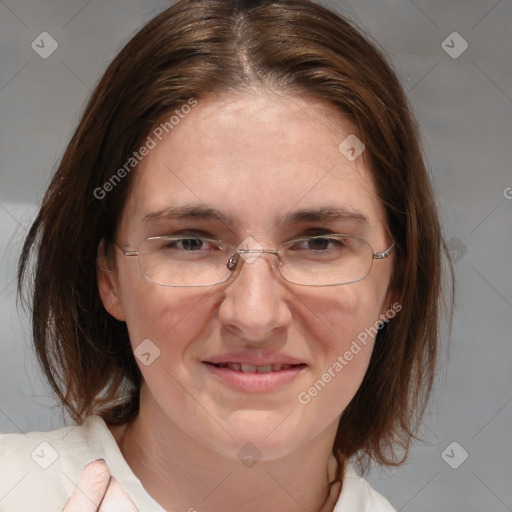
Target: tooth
pixel 265 369
pixel 277 367
pixel 246 368
pixel 234 366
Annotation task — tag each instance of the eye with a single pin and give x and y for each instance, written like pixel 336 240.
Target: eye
pixel 185 244
pixel 317 244
pixel 188 244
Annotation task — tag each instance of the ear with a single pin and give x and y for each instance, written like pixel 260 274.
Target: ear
pixel 108 285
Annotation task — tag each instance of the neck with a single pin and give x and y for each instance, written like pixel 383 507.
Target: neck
pixel 181 474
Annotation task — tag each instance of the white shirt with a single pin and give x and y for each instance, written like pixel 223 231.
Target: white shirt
pixel 39 471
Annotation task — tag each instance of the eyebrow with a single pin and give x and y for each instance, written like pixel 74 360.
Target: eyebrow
pixel 326 213
pixel 323 214
pixel 187 212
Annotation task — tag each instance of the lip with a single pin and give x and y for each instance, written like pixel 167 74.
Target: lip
pixel 255 382
pixel 253 358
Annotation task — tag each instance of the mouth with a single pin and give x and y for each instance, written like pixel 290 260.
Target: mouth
pixel 249 368
pixel 251 378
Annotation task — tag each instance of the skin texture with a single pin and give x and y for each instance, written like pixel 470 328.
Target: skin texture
pixel 256 156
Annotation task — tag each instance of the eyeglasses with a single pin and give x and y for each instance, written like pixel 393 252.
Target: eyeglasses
pixel 323 260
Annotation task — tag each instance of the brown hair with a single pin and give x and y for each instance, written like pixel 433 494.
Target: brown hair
pixel 192 49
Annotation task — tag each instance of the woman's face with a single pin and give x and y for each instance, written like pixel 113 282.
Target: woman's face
pixel 255 159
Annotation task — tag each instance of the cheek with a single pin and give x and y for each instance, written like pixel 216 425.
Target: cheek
pixel 344 327
pixel 169 317
pixel 340 315
pixel 353 319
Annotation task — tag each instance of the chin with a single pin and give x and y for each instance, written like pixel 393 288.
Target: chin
pixel 261 432
pixel 250 450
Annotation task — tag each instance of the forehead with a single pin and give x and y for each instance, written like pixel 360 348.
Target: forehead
pixel 256 157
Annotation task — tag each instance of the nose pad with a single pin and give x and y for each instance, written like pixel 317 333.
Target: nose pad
pixel 233 262
pixel 249 251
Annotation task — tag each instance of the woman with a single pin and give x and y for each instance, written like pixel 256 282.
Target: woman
pixel 237 273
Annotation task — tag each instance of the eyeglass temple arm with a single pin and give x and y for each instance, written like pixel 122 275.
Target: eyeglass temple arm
pixel 126 253
pixel 383 254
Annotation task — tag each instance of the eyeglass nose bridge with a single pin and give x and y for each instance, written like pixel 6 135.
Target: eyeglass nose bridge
pixel 233 261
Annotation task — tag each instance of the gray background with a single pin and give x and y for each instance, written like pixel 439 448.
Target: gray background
pixel 464 107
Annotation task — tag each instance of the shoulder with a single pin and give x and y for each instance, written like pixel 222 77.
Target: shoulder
pixel 44 467
pixel 357 495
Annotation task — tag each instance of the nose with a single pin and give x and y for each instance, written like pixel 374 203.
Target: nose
pixel 255 303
